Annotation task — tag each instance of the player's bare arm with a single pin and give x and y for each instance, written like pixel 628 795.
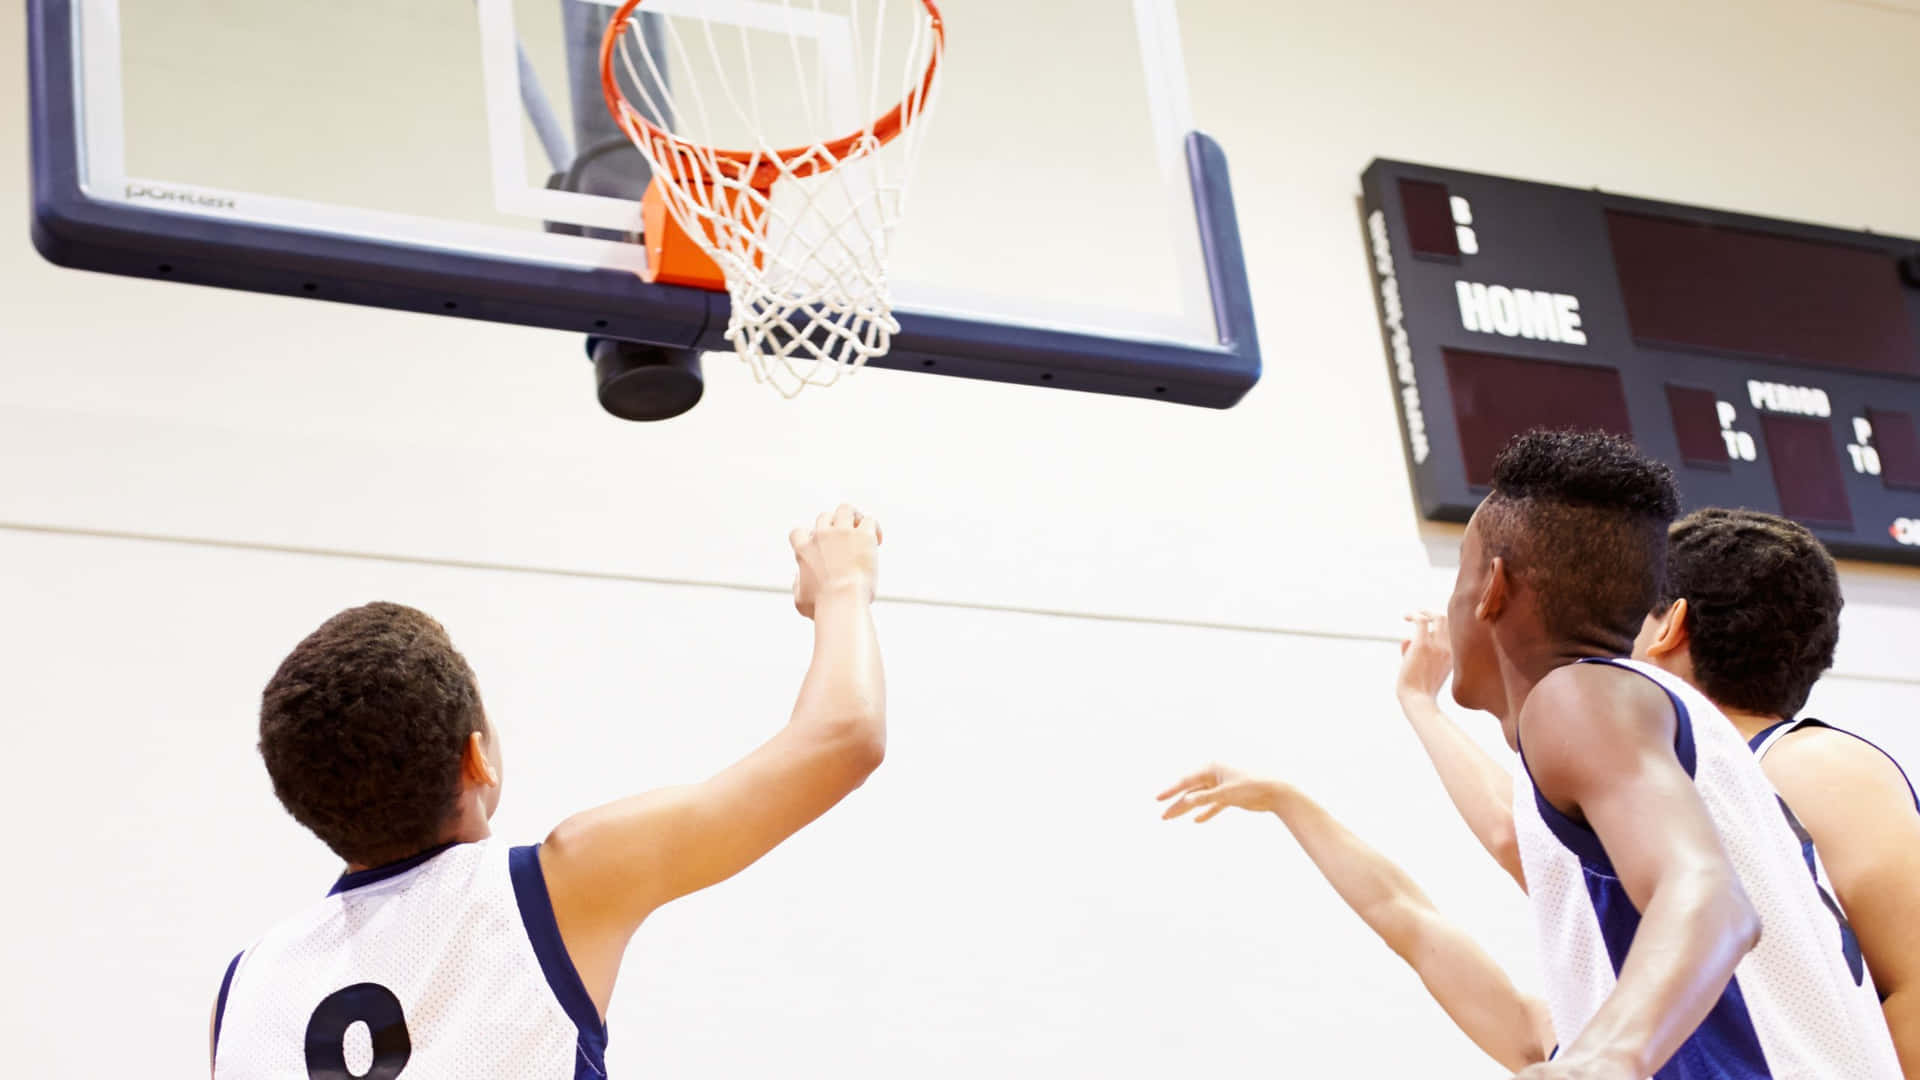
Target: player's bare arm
pixel 1480 787
pixel 1468 984
pixel 607 869
pixel 1599 743
pixel 1859 810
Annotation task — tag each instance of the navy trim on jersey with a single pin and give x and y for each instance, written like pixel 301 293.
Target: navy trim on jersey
pixel 1849 941
pixel 220 1003
pixel 1573 836
pixel 1726 1045
pixel 358 878
pixel 543 930
pixel 1580 839
pixel 1756 742
pixel 1683 746
pixel 1760 739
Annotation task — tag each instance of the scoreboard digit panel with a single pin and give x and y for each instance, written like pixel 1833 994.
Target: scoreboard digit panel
pixel 1773 364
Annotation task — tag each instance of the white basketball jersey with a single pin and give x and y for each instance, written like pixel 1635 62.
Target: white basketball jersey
pixel 1796 1009
pixel 1764 743
pixel 446 965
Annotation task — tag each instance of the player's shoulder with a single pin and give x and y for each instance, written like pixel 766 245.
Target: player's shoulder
pixel 1600 694
pixel 1818 758
pixel 1584 725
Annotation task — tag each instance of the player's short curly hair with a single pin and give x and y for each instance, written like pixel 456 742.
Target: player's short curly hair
pixel 364 728
pixel 1763 607
pixel 1581 518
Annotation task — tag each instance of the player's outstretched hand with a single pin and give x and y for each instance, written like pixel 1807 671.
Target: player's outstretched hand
pixel 1426 657
pixel 1215 788
pixel 840 554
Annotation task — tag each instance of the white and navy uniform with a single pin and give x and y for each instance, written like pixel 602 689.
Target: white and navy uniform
pixel 1796 1009
pixel 448 964
pixel 1762 744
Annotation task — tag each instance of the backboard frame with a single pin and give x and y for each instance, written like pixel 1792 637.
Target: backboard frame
pixel 75 229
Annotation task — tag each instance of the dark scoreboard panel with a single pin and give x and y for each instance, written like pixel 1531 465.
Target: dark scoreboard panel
pixel 1774 365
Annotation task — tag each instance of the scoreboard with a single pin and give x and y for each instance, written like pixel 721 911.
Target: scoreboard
pixel 1774 365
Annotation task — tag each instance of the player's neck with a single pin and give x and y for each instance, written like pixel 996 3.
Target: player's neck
pixel 1525 670
pixel 465 832
pixel 1522 668
pixel 1517 680
pixel 1749 724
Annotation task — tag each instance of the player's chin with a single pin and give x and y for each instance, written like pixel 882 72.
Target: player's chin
pixel 1466 694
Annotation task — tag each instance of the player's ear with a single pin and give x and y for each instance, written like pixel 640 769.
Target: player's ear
pixel 1671 635
pixel 1493 596
pixel 476 768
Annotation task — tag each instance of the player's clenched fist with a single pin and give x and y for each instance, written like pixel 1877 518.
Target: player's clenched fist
pixel 839 556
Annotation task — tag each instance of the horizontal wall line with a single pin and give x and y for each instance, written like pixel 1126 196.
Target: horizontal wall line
pixel 1878 5
pixel 731 586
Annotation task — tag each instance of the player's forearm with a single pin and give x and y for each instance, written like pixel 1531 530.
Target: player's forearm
pixel 1480 788
pixel 1695 931
pixel 1902 1008
pixel 1377 890
pixel 1463 979
pixel 844 695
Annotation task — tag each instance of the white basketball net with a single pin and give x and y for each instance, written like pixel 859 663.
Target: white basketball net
pixel 743 92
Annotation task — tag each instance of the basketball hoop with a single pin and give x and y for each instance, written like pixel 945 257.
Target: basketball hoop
pixel 797 236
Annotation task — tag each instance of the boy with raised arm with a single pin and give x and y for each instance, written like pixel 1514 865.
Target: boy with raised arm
pixel 445 952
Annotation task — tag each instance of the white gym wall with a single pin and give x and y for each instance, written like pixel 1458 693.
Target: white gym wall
pixel 1088 595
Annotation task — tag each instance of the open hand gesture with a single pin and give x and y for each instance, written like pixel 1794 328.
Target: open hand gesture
pixel 1217 787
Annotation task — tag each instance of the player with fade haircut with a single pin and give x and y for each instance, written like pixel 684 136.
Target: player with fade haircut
pixel 1750 615
pixel 444 952
pixel 1653 844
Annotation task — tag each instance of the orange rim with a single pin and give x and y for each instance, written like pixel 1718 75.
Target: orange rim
pixel 785 162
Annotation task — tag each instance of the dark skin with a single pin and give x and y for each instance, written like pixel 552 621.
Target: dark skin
pixel 1600 745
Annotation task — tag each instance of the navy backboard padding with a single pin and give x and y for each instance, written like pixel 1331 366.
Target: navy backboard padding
pixel 71 229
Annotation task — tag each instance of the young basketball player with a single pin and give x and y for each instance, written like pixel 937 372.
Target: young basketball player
pixel 1633 793
pixel 1748 573
pixel 1750 616
pixel 448 953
